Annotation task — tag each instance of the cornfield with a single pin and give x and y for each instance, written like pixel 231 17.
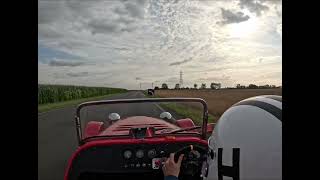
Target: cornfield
pixel 58 93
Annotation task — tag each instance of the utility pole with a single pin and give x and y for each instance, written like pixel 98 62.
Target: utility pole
pixel 181 80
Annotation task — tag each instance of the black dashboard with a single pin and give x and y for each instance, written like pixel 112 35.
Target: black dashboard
pixel 135 160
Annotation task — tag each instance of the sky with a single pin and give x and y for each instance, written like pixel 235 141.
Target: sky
pixel 122 43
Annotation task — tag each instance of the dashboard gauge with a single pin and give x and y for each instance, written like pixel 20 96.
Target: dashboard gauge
pixel 151 153
pixel 139 154
pixel 127 154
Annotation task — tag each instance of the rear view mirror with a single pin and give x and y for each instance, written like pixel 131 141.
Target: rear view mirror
pixel 114 116
pixel 165 115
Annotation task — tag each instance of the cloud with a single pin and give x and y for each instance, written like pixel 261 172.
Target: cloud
pixel 173 80
pixel 64 63
pixel 116 41
pixel 113 83
pixel 49 11
pixel 120 10
pixel 121 48
pixel 46 54
pixel 125 20
pixel 254 6
pixel 48 33
pixel 278 9
pixel 180 62
pixel 135 10
pixel 78 74
pixel 216 78
pixel 279 29
pixel 128 11
pixel 103 26
pixel 232 17
pixel 122 19
pixel 272 75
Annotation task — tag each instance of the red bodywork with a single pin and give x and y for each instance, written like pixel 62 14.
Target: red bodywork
pixel 122 127
pixel 93 128
pixel 109 142
pixel 118 132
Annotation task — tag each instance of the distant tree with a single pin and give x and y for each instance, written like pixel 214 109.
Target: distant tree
pixel 239 86
pixel 273 86
pixel 215 85
pixel 187 88
pixel 203 86
pixel 267 86
pixel 156 88
pixel 177 86
pixel 164 86
pixel 212 86
pixel 195 86
pixel 252 86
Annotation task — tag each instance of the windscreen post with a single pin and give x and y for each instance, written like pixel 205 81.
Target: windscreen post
pixel 78 129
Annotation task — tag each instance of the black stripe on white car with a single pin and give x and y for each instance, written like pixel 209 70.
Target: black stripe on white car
pixel 277 98
pixel 275 111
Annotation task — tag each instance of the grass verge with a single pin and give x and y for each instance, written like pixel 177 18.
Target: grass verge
pixel 184 111
pixel 58 105
pixel 188 112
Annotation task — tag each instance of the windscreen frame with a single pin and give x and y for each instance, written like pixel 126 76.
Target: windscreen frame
pixel 140 100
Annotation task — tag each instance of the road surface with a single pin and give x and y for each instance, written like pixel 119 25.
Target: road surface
pixel 57 135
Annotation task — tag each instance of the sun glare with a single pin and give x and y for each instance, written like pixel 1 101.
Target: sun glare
pixel 243 29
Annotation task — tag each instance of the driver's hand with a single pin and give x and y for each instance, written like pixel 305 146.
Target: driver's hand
pixel 171 168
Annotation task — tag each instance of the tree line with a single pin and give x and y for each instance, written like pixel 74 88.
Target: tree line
pixel 218 86
pixel 253 86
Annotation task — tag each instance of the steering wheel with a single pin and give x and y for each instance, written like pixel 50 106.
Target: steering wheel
pixel 192 160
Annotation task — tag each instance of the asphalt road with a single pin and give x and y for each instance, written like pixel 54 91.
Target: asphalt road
pixel 57 135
